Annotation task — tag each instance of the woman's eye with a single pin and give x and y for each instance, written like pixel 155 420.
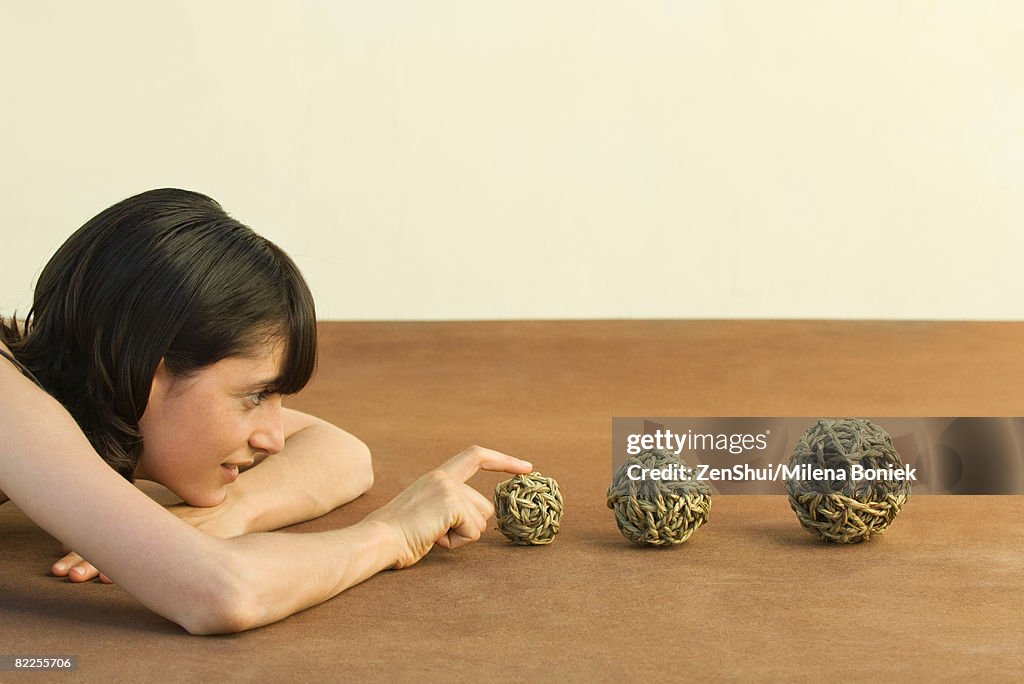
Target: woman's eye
pixel 258 398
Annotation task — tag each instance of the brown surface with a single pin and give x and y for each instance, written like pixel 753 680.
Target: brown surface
pixel 750 596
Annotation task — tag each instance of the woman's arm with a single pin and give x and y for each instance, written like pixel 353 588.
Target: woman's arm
pixel 209 585
pixel 320 468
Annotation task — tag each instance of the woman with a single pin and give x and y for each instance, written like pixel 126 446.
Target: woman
pixel 162 337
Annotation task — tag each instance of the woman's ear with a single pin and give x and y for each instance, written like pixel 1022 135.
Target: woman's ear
pixel 158 390
pixel 162 380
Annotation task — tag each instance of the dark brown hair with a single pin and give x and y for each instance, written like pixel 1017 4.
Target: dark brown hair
pixel 166 274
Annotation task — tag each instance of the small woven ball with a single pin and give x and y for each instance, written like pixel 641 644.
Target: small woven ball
pixel 528 508
pixel 846 511
pixel 658 512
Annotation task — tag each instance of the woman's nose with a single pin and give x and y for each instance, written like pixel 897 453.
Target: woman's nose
pixel 269 434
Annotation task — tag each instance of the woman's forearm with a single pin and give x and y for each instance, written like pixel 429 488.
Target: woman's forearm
pixel 282 577
pixel 320 468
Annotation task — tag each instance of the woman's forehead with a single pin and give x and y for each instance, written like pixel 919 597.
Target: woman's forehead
pixel 263 363
pixel 267 357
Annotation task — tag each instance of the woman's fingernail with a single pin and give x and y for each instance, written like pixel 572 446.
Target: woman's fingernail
pixel 61 567
pixel 80 571
pixel 526 464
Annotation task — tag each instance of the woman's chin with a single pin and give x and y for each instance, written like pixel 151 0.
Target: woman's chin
pixel 205 499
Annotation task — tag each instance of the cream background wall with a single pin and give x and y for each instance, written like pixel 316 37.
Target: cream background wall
pixel 483 160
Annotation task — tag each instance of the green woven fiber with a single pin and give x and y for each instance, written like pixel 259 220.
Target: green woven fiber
pixel 657 512
pixel 528 508
pixel 846 511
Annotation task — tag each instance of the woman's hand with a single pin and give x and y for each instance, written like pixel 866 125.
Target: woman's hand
pixel 76 568
pixel 439 508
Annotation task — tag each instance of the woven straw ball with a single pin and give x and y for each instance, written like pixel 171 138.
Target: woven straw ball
pixel 846 511
pixel 528 508
pixel 657 512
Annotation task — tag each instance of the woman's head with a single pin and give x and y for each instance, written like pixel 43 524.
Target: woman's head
pixel 162 282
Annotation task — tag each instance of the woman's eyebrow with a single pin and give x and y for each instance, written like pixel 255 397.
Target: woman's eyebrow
pixel 262 383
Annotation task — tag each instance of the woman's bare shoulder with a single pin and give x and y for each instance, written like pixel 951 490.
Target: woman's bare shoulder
pixel 6 352
pixel 3 497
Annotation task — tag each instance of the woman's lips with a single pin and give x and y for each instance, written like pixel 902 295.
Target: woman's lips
pixel 230 473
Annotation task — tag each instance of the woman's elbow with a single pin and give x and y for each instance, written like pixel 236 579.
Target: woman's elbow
pixel 222 620
pixel 222 606
pixel 362 468
pixel 224 615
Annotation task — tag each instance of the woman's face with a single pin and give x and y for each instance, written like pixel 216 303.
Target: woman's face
pixel 198 430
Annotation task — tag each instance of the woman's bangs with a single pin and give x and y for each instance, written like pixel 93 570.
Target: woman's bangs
pixel 300 334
